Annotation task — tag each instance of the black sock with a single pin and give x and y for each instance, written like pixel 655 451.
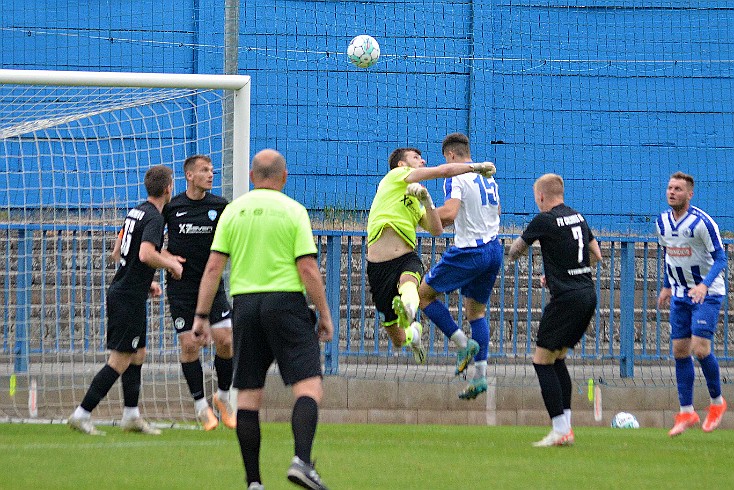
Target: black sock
pixel 550 388
pixel 248 435
pixel 223 367
pixel 565 379
pixel 194 378
pixel 303 423
pixel 99 388
pixel 131 385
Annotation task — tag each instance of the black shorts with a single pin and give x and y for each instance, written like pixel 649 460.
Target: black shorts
pixel 274 326
pixel 384 278
pixel 127 321
pixel 566 318
pixel 182 306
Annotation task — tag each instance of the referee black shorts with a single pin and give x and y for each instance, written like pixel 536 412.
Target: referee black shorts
pixel 566 318
pixel 274 326
pixel 384 278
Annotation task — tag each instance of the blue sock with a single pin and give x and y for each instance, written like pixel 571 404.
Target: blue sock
pixel 684 375
pixel 480 333
pixel 710 368
pixel 440 315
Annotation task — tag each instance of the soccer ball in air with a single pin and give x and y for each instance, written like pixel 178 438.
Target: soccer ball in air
pixel 624 420
pixel 363 51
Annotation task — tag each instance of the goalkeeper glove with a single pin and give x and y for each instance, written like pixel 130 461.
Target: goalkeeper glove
pixel 416 190
pixel 485 169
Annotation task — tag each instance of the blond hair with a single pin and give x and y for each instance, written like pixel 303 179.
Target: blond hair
pixel 550 185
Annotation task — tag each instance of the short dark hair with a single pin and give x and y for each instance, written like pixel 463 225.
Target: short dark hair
pixel 680 175
pixel 456 142
pixel 399 154
pixel 191 161
pixel 157 179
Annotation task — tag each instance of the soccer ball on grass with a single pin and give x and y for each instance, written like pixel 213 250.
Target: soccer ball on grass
pixel 363 51
pixel 624 420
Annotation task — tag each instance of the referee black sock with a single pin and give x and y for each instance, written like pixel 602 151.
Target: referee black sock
pixel 99 388
pixel 565 379
pixel 194 378
pixel 131 385
pixel 248 435
pixel 550 388
pixel 303 423
pixel 223 367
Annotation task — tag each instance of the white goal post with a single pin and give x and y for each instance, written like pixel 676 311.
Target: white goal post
pixel 74 147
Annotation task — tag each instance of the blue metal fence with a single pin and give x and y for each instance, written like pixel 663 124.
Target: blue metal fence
pixel 55 280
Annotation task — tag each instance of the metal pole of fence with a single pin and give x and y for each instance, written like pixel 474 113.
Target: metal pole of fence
pixel 333 280
pixel 627 311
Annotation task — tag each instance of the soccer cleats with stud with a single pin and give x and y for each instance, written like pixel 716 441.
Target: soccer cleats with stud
pixel 556 439
pixel 229 419
pixel 714 416
pixel 476 387
pixel 404 317
pixel 464 356
pixel 419 352
pixel 305 475
pixel 85 426
pixel 207 419
pixel 138 424
pixel 683 422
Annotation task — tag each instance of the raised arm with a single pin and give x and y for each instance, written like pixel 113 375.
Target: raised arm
pixel 446 170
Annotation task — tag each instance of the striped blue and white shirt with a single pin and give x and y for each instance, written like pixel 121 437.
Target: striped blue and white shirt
pixel 693 251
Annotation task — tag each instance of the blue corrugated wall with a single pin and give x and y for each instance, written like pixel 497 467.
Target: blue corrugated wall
pixel 613 95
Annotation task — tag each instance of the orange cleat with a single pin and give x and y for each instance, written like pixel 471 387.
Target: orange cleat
pixel 713 418
pixel 683 422
pixel 207 419
pixel 225 411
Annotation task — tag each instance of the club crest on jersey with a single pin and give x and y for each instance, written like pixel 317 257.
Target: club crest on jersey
pixel 212 214
pixel 135 342
pixel 685 233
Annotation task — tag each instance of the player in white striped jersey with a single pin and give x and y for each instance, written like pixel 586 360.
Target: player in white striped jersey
pixel 694 287
pixel 470 265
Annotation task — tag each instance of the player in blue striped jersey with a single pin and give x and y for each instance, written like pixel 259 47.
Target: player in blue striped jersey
pixel 694 287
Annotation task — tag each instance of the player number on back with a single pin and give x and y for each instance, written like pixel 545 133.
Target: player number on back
pixel 487 190
pixel 127 237
pixel 579 236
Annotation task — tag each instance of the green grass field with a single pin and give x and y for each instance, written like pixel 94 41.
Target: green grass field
pixel 369 457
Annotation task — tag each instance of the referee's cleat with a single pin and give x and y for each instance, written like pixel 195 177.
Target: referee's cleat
pixel 138 424
pixel 304 475
pixel 476 387
pixel 225 412
pixel 464 356
pixel 207 419
pixel 84 425
pixel 713 418
pixel 401 311
pixel 683 422
pixel 556 439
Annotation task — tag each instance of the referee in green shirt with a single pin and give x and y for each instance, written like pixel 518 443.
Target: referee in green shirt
pixel 268 238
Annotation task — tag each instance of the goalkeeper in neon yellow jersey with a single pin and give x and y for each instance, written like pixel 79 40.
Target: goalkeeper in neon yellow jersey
pixel 394 269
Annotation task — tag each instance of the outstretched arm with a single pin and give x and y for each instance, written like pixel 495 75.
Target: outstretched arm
pixel 446 170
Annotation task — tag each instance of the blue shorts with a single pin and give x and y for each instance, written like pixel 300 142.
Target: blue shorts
pixel 472 271
pixel 688 318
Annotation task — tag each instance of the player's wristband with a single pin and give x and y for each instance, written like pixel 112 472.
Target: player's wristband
pixel 203 316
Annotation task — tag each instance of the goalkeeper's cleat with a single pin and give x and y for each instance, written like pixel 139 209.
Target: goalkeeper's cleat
pixel 419 352
pixel 713 418
pixel 207 419
pixel 401 311
pixel 229 419
pixel 556 439
pixel 85 426
pixel 464 356
pixel 138 424
pixel 683 422
pixel 476 387
pixel 305 475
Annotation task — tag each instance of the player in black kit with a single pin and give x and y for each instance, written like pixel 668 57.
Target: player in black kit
pixel 192 217
pixel 139 255
pixel 569 252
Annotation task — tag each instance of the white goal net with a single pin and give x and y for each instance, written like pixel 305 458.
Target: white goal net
pixel 75 148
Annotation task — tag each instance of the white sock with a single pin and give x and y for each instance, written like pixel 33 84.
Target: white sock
pixel 480 369
pixel 719 400
pixel 223 396
pixel 687 409
pixel 560 424
pixel 200 404
pixel 80 413
pixel 567 413
pixel 416 335
pixel 459 338
pixel 130 413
